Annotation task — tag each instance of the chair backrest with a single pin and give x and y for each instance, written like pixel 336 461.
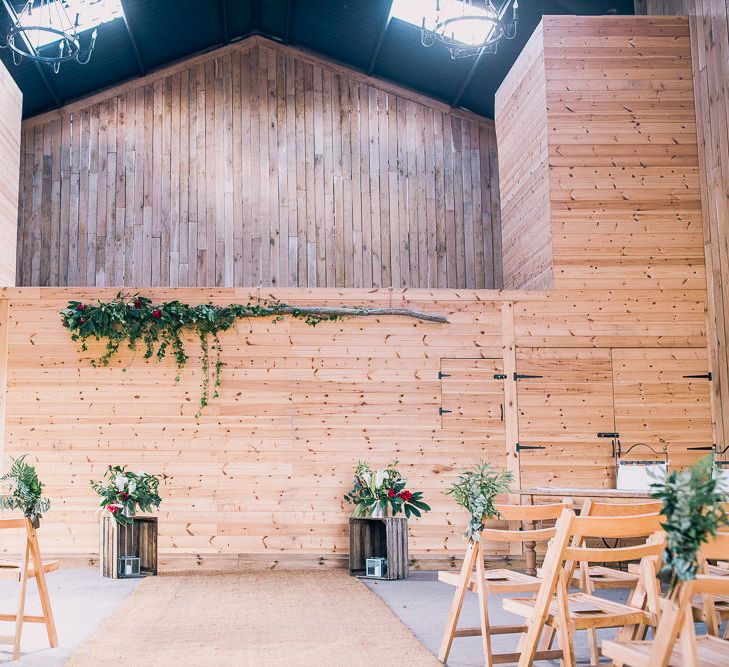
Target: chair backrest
pixel 531 514
pixel 598 508
pixel 640 526
pixel 717 548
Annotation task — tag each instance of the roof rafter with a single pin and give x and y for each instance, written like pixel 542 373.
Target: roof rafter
pixel 133 41
pixel 380 41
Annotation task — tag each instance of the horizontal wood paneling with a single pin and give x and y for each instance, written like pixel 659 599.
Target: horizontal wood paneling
pixel 10 114
pixel 259 165
pixel 709 21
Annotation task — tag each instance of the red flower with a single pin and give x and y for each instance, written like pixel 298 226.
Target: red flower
pixel 391 493
pixel 124 495
pixel 156 313
pixel 81 320
pixel 405 495
pixel 112 508
pixel 81 306
pixel 137 303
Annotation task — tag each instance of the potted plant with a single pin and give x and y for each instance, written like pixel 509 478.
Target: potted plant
pixel 26 491
pixel 692 507
pixel 475 490
pixel 124 491
pixel 377 492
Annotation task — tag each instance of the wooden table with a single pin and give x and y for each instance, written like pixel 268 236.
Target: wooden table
pixel 530 551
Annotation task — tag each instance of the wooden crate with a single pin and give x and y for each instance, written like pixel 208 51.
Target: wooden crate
pixel 138 539
pixel 382 537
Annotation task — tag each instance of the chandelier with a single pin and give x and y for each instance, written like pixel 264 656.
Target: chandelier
pixel 37 28
pixel 469 27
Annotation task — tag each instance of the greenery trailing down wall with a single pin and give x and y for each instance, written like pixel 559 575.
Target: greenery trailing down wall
pixel 133 320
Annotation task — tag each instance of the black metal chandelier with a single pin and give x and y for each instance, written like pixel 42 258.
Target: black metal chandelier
pixel 43 31
pixel 469 27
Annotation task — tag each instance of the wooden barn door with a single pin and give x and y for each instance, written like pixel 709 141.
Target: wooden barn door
pixel 662 397
pixel 472 406
pixel 565 398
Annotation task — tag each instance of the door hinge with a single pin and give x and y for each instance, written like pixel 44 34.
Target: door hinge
pixel 525 376
pixel 443 411
pixel 519 447
pixel 701 376
pixel 500 376
pixel 442 375
pixel 608 435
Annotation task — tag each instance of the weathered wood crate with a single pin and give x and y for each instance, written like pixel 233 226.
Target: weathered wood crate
pixel 379 537
pixel 138 540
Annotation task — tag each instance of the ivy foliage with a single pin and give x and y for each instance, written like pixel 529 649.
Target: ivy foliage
pixel 476 489
pixel 26 491
pixel 135 321
pixel 692 511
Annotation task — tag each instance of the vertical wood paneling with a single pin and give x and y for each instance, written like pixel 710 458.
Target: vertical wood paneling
pixel 257 165
pixel 709 22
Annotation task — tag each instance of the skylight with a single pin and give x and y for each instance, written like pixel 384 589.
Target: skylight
pixel 90 13
pixel 466 32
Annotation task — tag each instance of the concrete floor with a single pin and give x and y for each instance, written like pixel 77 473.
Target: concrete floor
pixel 81 600
pixel 422 603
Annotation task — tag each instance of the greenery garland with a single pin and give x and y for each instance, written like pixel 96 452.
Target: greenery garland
pixel 132 319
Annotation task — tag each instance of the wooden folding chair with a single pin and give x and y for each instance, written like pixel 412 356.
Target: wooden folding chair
pixel 590 578
pixel 496 581
pixel 555 608
pixel 21 572
pixel 675 643
pixel 713 610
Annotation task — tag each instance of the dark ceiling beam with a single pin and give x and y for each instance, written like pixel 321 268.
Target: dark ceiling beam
pixel 289 21
pixel 380 41
pixel 133 41
pixel 39 68
pixel 256 15
pixel 467 81
pixel 224 29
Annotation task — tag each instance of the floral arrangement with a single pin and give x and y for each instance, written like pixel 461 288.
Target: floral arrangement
pixel 375 491
pixel 475 489
pixel 692 507
pixel 132 319
pixel 125 490
pixel 26 491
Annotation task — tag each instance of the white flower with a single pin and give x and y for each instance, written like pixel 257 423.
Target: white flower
pixel 120 481
pixel 366 477
pixel 379 478
pixel 141 473
pixel 132 486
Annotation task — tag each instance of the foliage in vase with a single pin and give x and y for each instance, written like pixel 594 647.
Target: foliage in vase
pixel 475 490
pixel 26 491
pixel 692 511
pixel 122 491
pixel 383 487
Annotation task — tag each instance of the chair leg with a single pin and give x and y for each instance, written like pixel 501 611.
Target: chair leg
pixel 483 604
pixel 40 579
pixel 21 601
pixel 564 627
pixel 469 558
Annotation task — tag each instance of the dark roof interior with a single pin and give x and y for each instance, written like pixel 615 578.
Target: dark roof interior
pixel 354 32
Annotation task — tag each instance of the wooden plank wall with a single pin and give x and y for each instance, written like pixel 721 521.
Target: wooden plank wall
pixel 521 130
pixel 10 115
pixel 253 165
pixel 709 22
pixel 260 477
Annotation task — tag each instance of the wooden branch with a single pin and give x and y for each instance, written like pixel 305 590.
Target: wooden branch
pixel 361 312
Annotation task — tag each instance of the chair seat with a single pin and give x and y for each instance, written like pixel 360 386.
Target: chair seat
pixel 712 652
pixel 608 577
pixel 585 611
pixel 12 569
pixel 497 581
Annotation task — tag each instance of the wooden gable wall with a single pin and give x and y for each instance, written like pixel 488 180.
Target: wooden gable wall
pixel 258 164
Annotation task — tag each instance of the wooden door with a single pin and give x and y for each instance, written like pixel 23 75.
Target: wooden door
pixel 472 406
pixel 658 403
pixel 563 406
